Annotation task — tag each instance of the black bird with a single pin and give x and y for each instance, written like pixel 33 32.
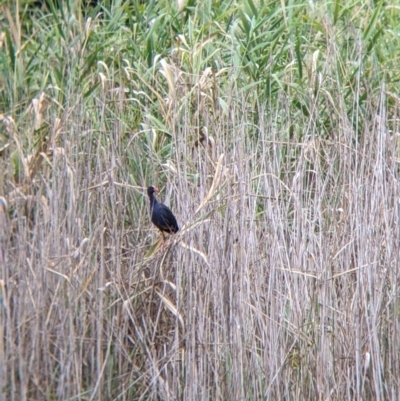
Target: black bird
pixel 161 215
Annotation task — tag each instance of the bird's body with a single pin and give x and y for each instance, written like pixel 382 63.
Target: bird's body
pixel 161 215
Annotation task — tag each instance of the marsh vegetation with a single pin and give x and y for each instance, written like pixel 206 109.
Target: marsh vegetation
pixel 272 131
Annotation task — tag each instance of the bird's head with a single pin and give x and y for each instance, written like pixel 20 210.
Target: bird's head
pixel 151 190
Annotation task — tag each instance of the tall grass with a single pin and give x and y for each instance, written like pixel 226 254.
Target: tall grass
pixel 272 130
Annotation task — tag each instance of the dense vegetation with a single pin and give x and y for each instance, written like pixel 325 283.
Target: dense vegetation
pixel 272 129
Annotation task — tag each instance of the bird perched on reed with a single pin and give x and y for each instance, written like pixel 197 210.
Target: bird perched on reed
pixel 161 215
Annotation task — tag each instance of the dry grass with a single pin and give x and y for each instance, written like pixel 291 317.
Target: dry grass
pixel 282 284
pixel 285 290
